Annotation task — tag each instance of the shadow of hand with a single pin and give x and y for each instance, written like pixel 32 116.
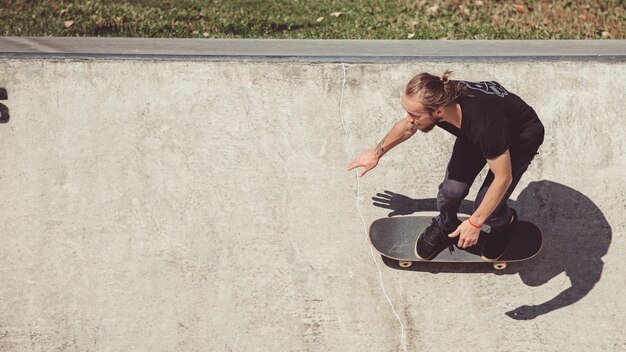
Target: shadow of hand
pixel 401 205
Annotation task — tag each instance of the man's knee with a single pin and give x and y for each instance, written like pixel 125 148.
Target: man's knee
pixel 453 190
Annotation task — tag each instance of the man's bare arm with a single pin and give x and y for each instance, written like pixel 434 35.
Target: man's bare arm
pixel 368 159
pixel 501 168
pixel 399 133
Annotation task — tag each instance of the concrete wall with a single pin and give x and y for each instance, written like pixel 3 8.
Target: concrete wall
pixel 157 205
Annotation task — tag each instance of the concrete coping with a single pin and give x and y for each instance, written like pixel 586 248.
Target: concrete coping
pixel 312 50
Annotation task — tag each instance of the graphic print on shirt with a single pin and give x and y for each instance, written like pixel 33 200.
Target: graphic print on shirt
pixel 489 87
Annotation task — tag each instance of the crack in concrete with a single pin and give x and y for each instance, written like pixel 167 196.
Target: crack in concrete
pixel 359 203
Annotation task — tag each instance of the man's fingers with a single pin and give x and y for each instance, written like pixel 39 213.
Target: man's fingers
pixel 463 243
pixel 354 164
pixel 466 242
pixel 455 233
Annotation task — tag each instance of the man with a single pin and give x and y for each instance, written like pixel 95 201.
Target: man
pixel 493 126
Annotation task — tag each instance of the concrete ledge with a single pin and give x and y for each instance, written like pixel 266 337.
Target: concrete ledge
pixel 313 50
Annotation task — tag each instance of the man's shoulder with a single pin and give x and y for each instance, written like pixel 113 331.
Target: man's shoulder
pixel 484 88
pixel 482 117
pixel 481 107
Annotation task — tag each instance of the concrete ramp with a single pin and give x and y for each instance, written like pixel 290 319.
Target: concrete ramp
pixel 198 200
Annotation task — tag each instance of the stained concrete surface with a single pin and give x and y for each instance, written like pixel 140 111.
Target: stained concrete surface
pixel 156 205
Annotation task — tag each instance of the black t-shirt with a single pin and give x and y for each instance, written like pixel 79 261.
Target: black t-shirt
pixel 495 120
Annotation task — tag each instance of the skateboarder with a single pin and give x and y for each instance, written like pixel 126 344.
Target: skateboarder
pixel 492 126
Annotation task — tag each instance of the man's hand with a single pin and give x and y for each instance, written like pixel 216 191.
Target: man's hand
pixel 468 234
pixel 367 159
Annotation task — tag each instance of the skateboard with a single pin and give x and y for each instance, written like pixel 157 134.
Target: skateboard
pixel 395 238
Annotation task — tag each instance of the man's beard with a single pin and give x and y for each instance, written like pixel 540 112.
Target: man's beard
pixel 429 127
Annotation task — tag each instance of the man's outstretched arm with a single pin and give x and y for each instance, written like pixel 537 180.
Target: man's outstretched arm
pixel 368 159
pixel 399 133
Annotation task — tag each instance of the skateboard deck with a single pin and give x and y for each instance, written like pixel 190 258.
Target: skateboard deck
pixel 395 238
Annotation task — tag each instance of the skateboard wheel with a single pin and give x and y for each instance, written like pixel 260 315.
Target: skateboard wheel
pixel 499 265
pixel 404 264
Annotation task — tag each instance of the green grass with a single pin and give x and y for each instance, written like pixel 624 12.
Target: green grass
pixel 323 19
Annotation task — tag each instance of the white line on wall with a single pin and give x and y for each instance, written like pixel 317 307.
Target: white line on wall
pixel 359 207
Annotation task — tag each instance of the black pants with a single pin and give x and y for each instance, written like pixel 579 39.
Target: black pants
pixel 465 164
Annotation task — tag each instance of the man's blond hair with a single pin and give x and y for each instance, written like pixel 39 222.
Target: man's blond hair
pixel 434 92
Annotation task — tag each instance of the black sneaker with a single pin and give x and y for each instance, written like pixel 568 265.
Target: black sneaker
pixel 498 240
pixel 432 241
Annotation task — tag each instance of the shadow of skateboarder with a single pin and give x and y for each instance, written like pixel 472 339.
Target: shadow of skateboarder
pixel 576 237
